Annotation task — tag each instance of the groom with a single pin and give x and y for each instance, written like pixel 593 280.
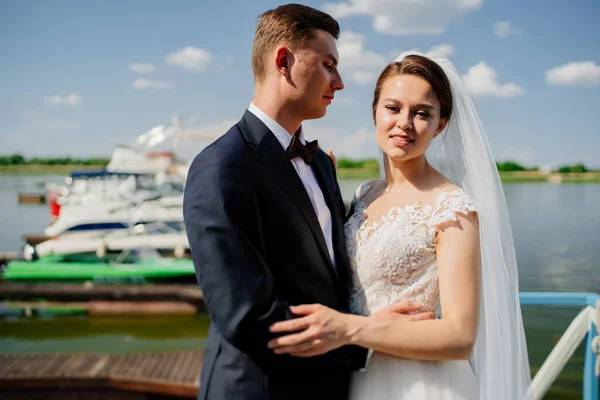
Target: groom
pixel 264 217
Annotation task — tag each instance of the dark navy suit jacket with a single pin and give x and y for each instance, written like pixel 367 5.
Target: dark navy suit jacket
pixel 258 248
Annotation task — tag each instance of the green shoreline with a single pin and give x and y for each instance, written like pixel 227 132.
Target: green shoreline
pixel 343 173
pixel 38 169
pixel 505 176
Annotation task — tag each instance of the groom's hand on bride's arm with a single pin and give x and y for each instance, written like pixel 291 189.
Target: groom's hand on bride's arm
pixel 403 310
pixel 321 329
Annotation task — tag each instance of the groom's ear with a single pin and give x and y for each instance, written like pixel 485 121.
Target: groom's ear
pixel 282 60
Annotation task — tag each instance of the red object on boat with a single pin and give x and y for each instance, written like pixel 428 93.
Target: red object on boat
pixel 52 199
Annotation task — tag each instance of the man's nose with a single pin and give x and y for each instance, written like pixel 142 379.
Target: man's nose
pixel 338 83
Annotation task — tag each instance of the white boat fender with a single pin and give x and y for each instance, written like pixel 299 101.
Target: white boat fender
pixel 179 251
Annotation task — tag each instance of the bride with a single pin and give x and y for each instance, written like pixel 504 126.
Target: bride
pixel 435 232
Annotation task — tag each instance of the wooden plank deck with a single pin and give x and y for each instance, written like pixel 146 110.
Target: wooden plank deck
pixel 29 308
pixel 87 292
pixel 172 374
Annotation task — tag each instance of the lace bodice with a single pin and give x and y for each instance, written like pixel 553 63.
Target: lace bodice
pixel 394 257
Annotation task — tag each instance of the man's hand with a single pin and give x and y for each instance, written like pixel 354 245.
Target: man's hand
pixel 403 310
pixel 321 329
pixel 318 330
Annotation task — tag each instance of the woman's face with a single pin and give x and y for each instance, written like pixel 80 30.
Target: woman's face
pixel 407 117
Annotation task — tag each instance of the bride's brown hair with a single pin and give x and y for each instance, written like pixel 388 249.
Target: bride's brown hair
pixel 424 68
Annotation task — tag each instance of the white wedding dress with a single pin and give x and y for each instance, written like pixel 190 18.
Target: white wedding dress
pixel 394 258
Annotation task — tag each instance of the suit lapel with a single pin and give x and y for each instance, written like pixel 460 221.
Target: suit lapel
pixel 342 267
pixel 271 155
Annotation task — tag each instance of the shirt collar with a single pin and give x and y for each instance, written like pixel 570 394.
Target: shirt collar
pixel 281 134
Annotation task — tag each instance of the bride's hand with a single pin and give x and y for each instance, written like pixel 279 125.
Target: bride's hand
pixel 332 156
pixel 319 331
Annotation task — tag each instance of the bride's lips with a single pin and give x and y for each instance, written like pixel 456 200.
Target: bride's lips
pixel 329 99
pixel 401 140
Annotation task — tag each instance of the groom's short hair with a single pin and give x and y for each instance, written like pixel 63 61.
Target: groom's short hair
pixel 292 24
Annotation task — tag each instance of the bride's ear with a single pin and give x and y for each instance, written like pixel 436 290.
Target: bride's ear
pixel 443 123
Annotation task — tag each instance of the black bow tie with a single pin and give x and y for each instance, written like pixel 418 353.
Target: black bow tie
pixel 297 149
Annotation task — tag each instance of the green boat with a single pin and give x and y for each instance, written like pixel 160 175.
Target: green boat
pixel 125 267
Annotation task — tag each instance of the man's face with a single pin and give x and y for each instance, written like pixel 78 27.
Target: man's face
pixel 314 76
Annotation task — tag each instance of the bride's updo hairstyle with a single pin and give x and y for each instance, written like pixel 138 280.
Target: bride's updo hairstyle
pixel 425 69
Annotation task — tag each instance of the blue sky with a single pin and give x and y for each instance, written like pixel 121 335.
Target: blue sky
pixel 70 83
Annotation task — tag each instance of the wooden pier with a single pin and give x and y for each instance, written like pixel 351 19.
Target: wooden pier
pixel 98 299
pixel 32 198
pixel 189 293
pixel 172 375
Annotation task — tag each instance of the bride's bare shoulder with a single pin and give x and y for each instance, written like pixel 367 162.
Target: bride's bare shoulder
pixel 441 184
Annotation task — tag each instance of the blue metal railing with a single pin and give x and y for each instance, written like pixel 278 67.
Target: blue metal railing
pixel 590 380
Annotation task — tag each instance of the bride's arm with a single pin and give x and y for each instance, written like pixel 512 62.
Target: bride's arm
pixel 451 337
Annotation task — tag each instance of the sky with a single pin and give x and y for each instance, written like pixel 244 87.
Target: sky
pixel 78 78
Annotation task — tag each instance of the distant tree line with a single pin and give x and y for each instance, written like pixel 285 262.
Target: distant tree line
pixel 506 166
pixel 513 166
pixel 18 159
pixel 369 163
pixel 573 168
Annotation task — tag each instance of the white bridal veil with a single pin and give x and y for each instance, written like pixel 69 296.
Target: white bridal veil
pixel 462 153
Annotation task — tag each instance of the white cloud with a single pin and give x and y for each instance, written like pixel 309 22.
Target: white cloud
pixel 360 144
pixel 504 29
pixel 482 80
pixel 360 64
pixel 190 58
pixel 584 73
pixel 357 145
pixel 363 66
pixel 142 68
pixel 195 138
pixel 343 100
pixel 143 83
pixel 406 17
pixel 210 131
pixel 364 77
pixel 72 99
pixel 443 50
pixel 517 154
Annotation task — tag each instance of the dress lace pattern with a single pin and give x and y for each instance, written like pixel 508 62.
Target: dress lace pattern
pixel 394 258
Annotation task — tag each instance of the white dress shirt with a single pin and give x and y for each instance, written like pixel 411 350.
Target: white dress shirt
pixel 309 181
pixel 306 175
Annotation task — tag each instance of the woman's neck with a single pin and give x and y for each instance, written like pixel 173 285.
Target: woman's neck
pixel 410 172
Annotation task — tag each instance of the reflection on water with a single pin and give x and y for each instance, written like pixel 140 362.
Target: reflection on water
pixel 555 229
pixel 106 334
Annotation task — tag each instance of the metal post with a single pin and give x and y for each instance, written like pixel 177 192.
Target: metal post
pixel 590 379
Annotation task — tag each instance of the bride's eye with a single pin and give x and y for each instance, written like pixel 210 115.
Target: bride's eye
pixel 423 114
pixel 392 108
